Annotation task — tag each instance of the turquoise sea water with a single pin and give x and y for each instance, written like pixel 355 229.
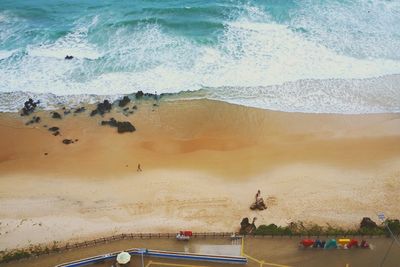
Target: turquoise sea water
pixel 310 56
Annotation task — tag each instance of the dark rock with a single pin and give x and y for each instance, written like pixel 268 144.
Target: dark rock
pixel 112 122
pixel 155 105
pixel 33 120
pixel 56 115
pixel 54 129
pixel 76 140
pixel 56 133
pixel 46 154
pixel 125 109
pixel 122 126
pixel 124 101
pixel 67 141
pixel 80 110
pixel 139 94
pixel 29 107
pixel 258 204
pixel 68 57
pixel 125 126
pixel 134 107
pixel 246 227
pixel 366 222
pixel 102 108
pixel 66 112
pixel 150 95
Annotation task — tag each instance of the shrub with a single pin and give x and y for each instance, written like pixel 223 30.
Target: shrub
pixel 272 229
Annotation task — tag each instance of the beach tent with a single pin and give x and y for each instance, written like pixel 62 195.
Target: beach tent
pixel 123 257
pixel 331 244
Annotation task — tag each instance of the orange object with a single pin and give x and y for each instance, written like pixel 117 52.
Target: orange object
pixel 307 242
pixel 343 241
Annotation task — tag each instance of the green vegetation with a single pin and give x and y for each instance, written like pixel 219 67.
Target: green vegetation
pixel 394 225
pixel 298 228
pixel 272 229
pixel 32 250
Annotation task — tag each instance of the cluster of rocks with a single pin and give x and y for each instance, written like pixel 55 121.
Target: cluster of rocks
pixel 124 101
pixel 35 119
pixel 55 130
pixel 102 108
pixel 140 94
pixel 367 223
pixel 258 204
pixel 29 107
pixel 122 126
pixel 246 227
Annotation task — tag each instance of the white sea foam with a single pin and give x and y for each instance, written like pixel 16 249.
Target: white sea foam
pixel 75 44
pixel 254 63
pixel 6 54
pixel 354 96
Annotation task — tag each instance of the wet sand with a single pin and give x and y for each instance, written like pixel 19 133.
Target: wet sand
pixel 202 163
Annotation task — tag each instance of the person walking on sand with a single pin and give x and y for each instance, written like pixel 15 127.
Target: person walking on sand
pixel 138 168
pixel 258 195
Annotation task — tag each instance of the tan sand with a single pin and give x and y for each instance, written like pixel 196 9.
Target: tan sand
pixel 202 162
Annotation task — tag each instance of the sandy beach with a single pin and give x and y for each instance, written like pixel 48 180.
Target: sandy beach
pixel 202 162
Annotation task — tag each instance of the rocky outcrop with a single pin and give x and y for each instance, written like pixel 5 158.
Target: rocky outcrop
pixel 56 115
pixel 29 107
pixel 258 203
pixel 102 108
pixel 55 130
pixel 246 227
pixel 33 120
pixel 125 126
pixel 139 94
pixel 122 126
pixel 80 110
pixel 366 222
pixel 124 101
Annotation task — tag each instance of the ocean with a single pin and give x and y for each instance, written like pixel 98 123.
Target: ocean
pixel 316 56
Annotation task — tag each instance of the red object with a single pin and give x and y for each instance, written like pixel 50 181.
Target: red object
pixel 307 242
pixel 352 243
pixel 186 233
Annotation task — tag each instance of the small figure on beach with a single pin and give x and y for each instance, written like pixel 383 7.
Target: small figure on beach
pixel 259 203
pixel 139 169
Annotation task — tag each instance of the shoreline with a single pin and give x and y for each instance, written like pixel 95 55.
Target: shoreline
pixel 202 163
